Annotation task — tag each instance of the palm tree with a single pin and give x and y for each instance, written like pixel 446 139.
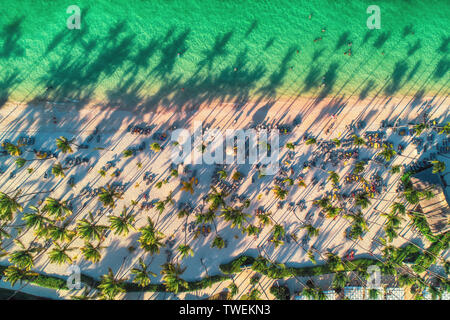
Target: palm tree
pixel 14 274
pixel 359 167
pixel 110 287
pixel 264 219
pixel 234 290
pixel 235 216
pixel 251 230
pixel 358 141
pixel 155 147
pixel 310 141
pixel 185 251
pixel 413 196
pixel 387 153
pixel 171 273
pixel 20 162
pixel 438 166
pixel 334 262
pixel 160 206
pixel 169 199
pixel 311 256
pixel 57 233
pixel 420 127
pixel 174 173
pixel 393 223
pixel 23 258
pixel 392 219
pixel 290 146
pixel 59 254
pixel 208 217
pixel 223 174
pixel 391 232
pixel 12 149
pixel 35 219
pixel 239 218
pixel 188 186
pixel 91 253
pixel 395 169
pixel 301 182
pixel 216 198
pixel 9 206
pixel 108 195
pixel 58 170
pixel 313 293
pixel 337 142
pixel 63 144
pixel 159 184
pixel 254 294
pixel 127 153
pixel 150 238
pixel 288 181
pixel 323 203
pixel 332 212
pixel 359 225
pixel 278 233
pixel 56 208
pixel 362 200
pixel 142 275
pixel 340 280
pixel 3 233
pixel 123 224
pixel 445 129
pixel 312 232
pixel 236 175
pixel 397 207
pixel 333 177
pixel 218 243
pixel 280 193
pixel 88 230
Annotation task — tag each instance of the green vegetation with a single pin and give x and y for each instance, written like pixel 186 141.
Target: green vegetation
pixel 280 292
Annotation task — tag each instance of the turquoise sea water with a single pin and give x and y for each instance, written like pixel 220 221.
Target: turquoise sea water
pixel 174 52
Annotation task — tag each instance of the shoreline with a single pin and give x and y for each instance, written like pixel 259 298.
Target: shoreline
pixel 283 110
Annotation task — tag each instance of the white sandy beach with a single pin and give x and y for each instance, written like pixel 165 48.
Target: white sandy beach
pixel 72 122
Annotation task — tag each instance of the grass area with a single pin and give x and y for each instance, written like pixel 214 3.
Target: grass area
pixel 409 253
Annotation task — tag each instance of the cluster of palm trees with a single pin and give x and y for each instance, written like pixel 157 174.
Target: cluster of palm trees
pixel 330 210
pixel 359 225
pixel 312 292
pixel 150 238
pixel 53 220
pixel 50 222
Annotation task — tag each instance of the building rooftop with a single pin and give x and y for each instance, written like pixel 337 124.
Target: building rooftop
pixel 436 210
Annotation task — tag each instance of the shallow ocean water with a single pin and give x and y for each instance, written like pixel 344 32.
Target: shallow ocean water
pixel 173 51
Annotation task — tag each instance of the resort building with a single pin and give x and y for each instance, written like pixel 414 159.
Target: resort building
pixel 436 209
